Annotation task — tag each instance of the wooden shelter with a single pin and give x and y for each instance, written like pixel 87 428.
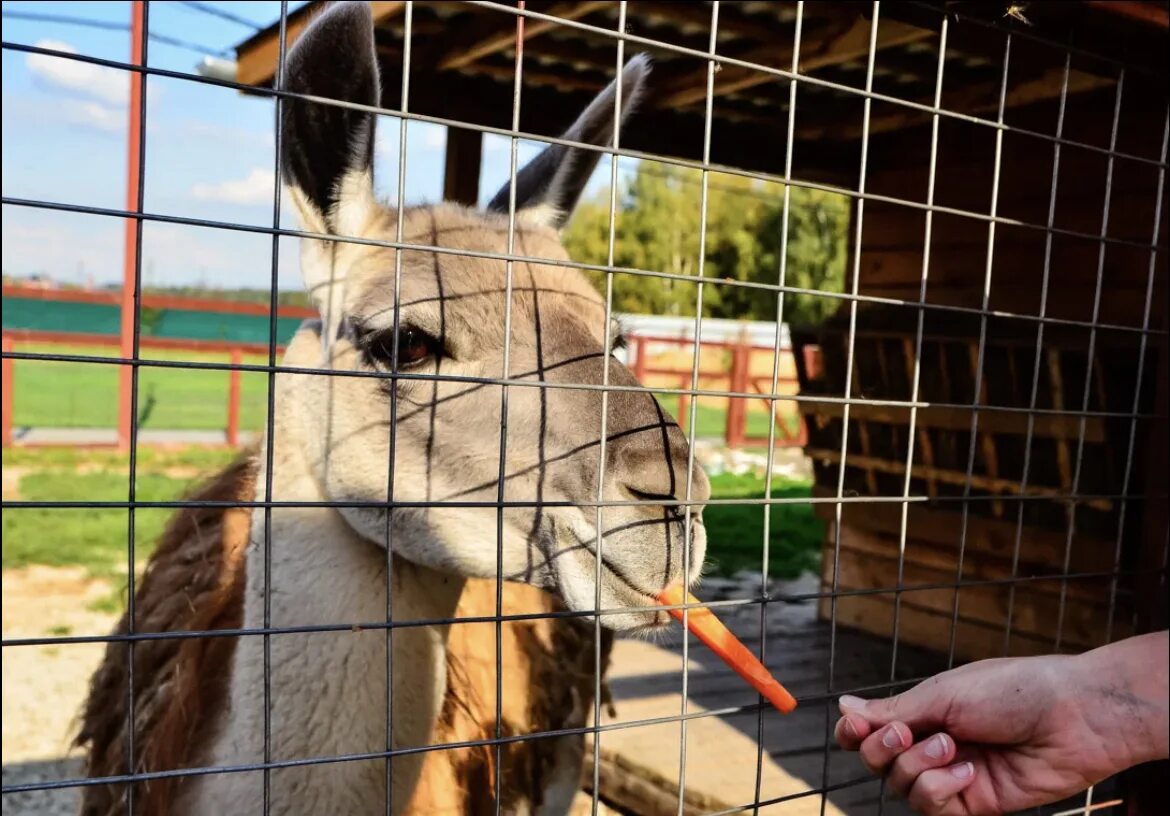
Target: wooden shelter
pixel 1041 255
pixel 1030 207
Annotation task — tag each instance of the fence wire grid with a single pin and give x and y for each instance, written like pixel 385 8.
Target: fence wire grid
pixel 910 486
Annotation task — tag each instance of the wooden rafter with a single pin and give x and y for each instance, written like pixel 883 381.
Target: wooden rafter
pixel 831 46
pixel 971 99
pixel 256 59
pixel 499 34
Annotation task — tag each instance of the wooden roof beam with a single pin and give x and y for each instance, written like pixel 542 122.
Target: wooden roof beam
pixel 493 39
pixel 831 46
pixel 256 58
pixel 971 100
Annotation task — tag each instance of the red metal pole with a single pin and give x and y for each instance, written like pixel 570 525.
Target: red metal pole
pixel 9 372
pixel 233 423
pixel 133 204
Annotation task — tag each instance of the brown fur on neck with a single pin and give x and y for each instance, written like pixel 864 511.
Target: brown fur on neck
pixel 194 581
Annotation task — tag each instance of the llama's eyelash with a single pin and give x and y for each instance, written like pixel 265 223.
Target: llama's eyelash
pixel 619 342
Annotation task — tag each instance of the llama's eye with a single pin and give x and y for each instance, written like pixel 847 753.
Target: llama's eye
pixel 414 346
pixel 619 342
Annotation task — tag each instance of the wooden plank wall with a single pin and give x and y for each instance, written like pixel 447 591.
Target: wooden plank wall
pixel 891 266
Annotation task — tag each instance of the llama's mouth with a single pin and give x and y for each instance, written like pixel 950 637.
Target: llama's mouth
pixel 624 605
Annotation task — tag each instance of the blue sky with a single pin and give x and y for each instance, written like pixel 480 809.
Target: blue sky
pixel 209 152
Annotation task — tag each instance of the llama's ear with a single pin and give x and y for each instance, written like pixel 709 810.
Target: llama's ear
pixel 327 150
pixel 548 187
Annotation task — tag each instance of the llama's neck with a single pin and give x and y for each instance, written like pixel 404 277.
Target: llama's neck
pixel 327 690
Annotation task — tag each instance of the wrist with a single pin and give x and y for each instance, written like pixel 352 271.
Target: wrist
pixel 1123 687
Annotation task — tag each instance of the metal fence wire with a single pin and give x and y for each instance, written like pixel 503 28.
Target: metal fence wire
pixel 1091 463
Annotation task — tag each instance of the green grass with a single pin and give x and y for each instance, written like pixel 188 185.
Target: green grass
pixel 95 539
pixel 735 532
pixel 205 460
pixel 85 395
pixel 712 422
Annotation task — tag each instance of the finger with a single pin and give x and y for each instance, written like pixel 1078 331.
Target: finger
pixel 883 746
pixel 921 707
pixel 936 791
pixel 850 731
pixel 934 752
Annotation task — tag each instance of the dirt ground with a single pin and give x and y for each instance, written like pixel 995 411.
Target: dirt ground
pixel 44 686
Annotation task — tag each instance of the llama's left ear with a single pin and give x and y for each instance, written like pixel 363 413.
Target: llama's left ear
pixel 327 151
pixel 548 187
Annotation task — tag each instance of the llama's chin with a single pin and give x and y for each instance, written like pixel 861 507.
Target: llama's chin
pixel 624 608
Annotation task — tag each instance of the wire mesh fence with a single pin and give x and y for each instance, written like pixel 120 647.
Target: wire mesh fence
pixel 984 402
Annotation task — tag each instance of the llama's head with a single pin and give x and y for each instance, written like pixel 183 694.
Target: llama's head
pixel 444 327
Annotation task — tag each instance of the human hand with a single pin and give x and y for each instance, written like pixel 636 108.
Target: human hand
pixel 1008 734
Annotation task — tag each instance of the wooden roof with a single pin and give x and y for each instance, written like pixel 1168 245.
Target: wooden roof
pixel 463 64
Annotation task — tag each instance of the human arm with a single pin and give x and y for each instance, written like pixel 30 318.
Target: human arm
pixel 1006 734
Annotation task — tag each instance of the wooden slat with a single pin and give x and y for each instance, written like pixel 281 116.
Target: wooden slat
pixel 953 477
pixel 464 153
pixel 972 99
pixel 925 444
pixel 986 440
pixel 1063 452
pixel 994 538
pixel 499 33
pixel 973 641
pixel 256 59
pixel 1153 13
pixel 833 45
pixel 1049 426
pixel 939 564
pixel 1033 612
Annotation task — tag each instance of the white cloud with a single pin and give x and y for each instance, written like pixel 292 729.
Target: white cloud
pixel 97 116
pixel 434 136
pixel 107 85
pixel 255 188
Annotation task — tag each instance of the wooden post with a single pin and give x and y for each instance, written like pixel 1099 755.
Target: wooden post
pixel 129 248
pixel 9 373
pixel 640 361
pixel 684 405
pixel 233 418
pixel 461 170
pixel 736 427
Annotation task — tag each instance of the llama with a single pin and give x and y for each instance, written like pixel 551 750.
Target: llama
pixel 332 465
pixel 194 582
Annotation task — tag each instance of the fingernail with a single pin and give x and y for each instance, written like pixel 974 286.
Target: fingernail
pixel 849 701
pixel 849 729
pixel 963 770
pixel 892 739
pixel 937 747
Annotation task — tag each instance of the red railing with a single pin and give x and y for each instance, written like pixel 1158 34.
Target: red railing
pixel 736 377
pixel 234 350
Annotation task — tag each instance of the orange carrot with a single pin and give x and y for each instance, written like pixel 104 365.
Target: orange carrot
pixel 707 628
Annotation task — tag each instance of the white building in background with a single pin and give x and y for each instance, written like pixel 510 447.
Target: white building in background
pixel 713 330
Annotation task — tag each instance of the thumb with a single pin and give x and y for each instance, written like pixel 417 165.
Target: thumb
pixel 921 707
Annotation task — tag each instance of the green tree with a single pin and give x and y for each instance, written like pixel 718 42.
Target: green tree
pixel 656 228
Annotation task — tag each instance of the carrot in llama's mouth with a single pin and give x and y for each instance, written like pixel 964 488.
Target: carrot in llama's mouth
pixel 703 624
